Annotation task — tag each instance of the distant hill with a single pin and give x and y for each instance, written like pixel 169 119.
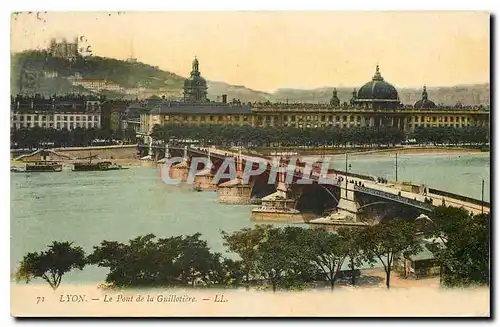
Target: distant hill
pixel 37 71
pixel 473 94
pixel 240 92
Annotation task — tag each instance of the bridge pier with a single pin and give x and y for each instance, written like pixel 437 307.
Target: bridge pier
pixel 203 180
pixel 181 170
pixel 346 213
pixel 234 192
pixel 347 208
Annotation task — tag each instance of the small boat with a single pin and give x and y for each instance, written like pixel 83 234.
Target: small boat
pixel 197 188
pixel 43 166
pixel 96 166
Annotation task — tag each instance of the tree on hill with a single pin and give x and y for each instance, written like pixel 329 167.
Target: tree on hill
pixel 51 265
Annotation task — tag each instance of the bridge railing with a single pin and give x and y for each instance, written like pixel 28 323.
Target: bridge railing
pixel 459 197
pixel 395 197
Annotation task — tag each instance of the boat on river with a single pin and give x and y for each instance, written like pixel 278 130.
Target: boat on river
pixel 96 166
pixel 39 166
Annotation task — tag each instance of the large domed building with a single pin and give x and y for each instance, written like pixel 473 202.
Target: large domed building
pixel 424 102
pixel 377 94
pixel 195 87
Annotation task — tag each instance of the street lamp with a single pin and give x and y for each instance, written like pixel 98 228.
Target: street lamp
pixel 396 166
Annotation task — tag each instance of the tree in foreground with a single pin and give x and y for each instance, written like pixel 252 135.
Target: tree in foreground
pixel 327 251
pixel 245 243
pixel 174 261
pixel 388 239
pixel 461 246
pixel 50 265
pixel 283 258
pixel 351 239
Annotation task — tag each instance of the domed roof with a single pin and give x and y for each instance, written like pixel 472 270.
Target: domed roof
pixel 424 102
pixel 377 88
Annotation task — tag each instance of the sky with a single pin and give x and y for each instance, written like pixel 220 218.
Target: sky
pixel 270 50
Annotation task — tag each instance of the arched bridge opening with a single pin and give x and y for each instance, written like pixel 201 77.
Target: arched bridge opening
pixel 317 199
pixel 373 209
pixel 261 186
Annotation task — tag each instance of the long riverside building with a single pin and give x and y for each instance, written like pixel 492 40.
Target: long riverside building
pixel 375 104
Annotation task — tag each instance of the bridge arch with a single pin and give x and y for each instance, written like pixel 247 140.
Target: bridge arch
pixel 261 186
pixel 316 198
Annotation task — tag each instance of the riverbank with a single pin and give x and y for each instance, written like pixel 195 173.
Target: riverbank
pixel 416 151
pixel 329 152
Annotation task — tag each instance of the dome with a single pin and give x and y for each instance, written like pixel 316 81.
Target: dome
pixel 377 88
pixel 424 102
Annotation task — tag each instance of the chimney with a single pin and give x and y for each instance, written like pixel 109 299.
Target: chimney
pixel 224 98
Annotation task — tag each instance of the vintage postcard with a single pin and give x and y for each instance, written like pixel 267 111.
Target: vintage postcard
pixel 250 164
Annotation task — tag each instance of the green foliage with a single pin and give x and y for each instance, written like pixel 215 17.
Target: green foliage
pixel 353 245
pixel 451 135
pixel 227 135
pixel 388 239
pixel 283 260
pixel 245 243
pixel 461 246
pixel 173 261
pixel 32 138
pixel 52 264
pixel 326 251
pixel 125 74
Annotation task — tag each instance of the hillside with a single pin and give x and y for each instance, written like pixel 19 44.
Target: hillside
pixel 36 71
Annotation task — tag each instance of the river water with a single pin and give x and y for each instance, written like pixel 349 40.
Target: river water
pixel 88 207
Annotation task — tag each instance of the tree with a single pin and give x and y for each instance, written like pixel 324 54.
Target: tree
pixel 282 258
pixel 353 246
pixel 388 239
pixel 145 261
pixel 245 243
pixel 327 251
pixel 461 245
pixel 195 260
pixel 52 264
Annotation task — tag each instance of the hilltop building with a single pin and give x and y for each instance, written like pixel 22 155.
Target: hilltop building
pixel 375 104
pixel 63 48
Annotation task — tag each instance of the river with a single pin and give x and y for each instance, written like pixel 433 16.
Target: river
pixel 88 207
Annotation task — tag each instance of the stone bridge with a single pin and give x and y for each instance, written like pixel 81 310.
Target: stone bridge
pixel 343 196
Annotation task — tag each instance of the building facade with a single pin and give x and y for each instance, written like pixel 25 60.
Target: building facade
pixel 375 104
pixel 95 85
pixel 58 114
